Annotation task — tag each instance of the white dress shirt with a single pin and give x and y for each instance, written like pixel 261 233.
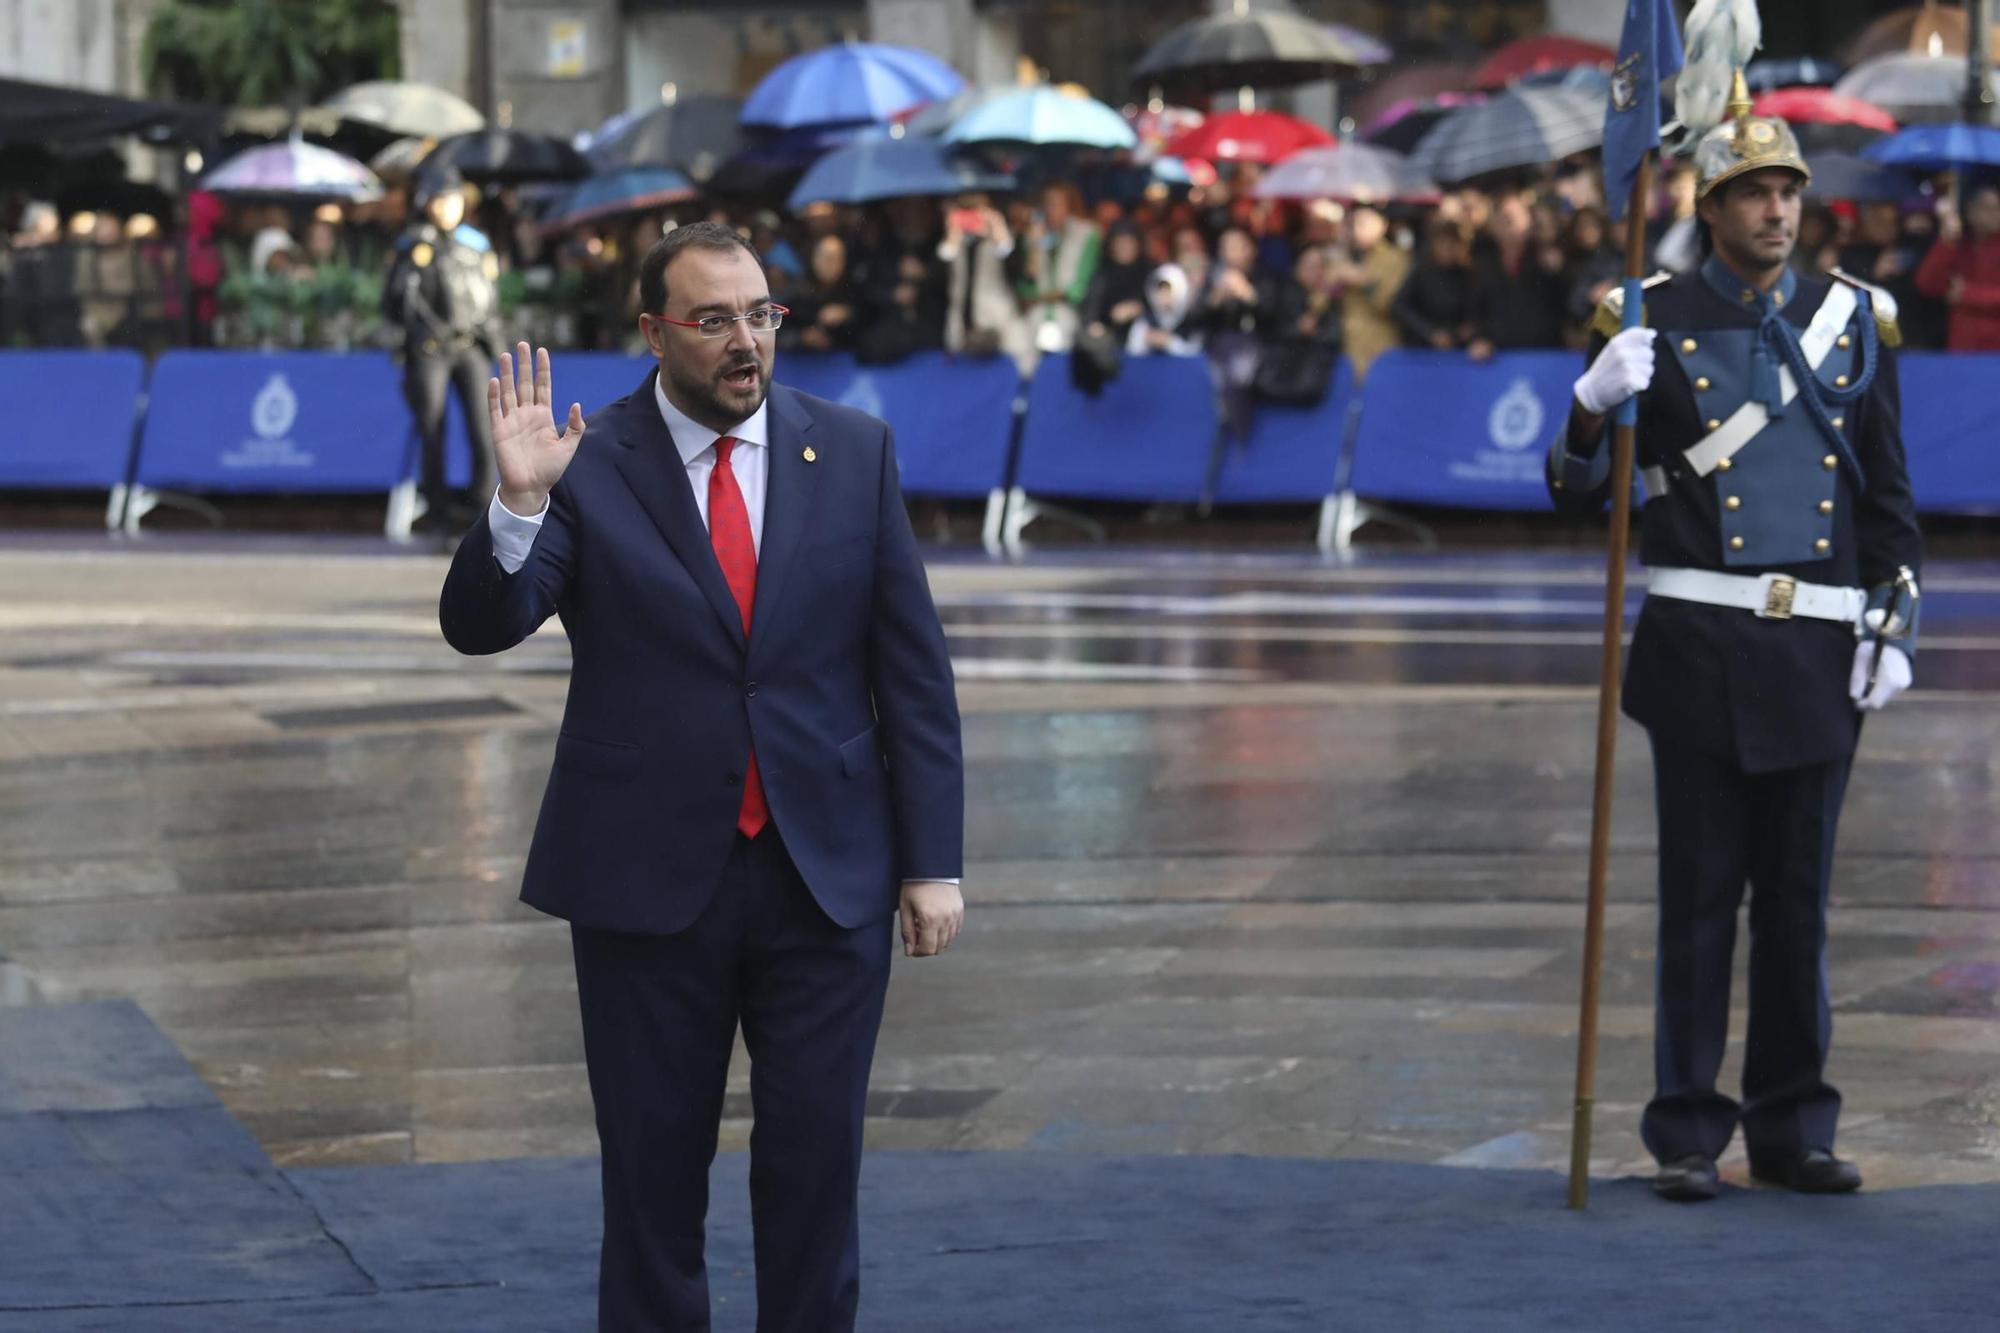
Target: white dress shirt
pixel 514 535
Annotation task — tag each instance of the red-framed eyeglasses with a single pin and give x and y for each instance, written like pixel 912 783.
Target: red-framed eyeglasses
pixel 762 319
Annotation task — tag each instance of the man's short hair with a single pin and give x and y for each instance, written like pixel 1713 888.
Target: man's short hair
pixel 694 236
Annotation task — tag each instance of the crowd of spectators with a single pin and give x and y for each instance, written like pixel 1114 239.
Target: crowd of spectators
pixel 1271 293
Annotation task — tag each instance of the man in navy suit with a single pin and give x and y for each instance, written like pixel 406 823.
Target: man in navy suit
pixel 759 765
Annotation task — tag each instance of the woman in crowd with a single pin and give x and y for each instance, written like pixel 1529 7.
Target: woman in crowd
pixel 983 318
pixel 1061 259
pixel 1434 308
pixel 1373 272
pixel 1117 296
pixel 823 309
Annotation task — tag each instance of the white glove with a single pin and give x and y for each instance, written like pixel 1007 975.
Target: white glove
pixel 1891 679
pixel 1623 368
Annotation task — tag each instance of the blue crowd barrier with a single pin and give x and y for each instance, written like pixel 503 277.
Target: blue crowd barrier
pixel 1951 430
pixel 1439 428
pixel 1293 453
pixel 953 416
pixel 73 415
pixel 275 423
pixel 1148 436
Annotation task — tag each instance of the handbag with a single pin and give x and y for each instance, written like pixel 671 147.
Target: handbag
pixel 1297 371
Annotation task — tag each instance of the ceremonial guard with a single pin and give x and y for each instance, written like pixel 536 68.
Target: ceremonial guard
pixel 1783 551
pixel 441 294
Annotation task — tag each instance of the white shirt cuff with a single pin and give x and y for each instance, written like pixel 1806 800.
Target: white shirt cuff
pixel 513 535
pixel 920 880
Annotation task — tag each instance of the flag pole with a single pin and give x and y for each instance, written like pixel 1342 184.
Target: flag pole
pixel 1623 433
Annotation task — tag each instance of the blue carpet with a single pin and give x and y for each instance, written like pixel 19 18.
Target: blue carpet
pixel 164 1219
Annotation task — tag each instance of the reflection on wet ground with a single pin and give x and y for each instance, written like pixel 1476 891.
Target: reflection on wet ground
pixel 1270 856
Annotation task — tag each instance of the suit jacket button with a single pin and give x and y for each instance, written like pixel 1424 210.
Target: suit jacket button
pixel 732 779
pixel 750 690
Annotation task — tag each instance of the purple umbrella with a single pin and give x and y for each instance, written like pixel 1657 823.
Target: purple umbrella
pixel 297 170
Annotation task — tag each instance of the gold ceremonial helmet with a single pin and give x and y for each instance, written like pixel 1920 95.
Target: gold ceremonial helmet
pixel 1744 143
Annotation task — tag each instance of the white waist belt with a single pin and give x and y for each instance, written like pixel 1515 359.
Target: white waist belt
pixel 1771 596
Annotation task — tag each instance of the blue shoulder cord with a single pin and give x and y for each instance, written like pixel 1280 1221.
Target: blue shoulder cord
pixel 1814 392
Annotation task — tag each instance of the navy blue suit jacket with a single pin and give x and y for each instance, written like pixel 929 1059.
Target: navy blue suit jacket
pixel 844 684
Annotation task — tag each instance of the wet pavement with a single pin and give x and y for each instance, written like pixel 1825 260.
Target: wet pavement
pixel 1269 856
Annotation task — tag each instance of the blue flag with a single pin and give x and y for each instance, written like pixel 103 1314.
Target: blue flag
pixel 1648 53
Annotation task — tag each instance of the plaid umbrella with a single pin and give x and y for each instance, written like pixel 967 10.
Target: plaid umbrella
pixel 1527 127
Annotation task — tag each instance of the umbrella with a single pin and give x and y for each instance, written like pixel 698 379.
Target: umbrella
pixel 509 157
pixel 1372 101
pixel 1527 127
pixel 934 118
pixel 885 168
pixel 294 170
pixel 1403 126
pixel 1267 49
pixel 1926 29
pixel 1909 87
pixel 693 135
pixel 1367 49
pixel 407 110
pixel 852 83
pixel 1937 148
pixel 770 163
pixel 1845 176
pixel 1815 139
pixel 1823 106
pixel 1352 173
pixel 1248 136
pixel 1538 55
pixel 400 160
pixel 1792 72
pixel 633 190
pixel 1043 117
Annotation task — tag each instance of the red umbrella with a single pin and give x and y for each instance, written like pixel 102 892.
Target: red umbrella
pixel 1823 106
pixel 1248 136
pixel 1539 55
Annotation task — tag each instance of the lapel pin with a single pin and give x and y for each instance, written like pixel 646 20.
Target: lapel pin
pixel 811 457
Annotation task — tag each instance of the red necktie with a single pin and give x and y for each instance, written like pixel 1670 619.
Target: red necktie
pixel 736 552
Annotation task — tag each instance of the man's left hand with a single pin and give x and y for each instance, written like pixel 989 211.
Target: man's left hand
pixel 1891 678
pixel 931 915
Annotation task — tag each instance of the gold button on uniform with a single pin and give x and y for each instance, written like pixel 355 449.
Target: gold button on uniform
pixel 1702 384
pixel 1733 502
pixel 1826 506
pixel 1822 546
pixel 1689 344
pixel 1829 462
pixel 1714 423
pixel 1735 543
pixel 1724 464
pixel 1840 423
pixel 1840 381
pixel 1748 296
pixel 1843 341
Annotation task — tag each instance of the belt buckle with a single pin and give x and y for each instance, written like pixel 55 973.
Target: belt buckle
pixel 1779 594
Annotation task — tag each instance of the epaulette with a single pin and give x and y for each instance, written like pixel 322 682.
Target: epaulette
pixel 1880 302
pixel 1610 316
pixel 471 237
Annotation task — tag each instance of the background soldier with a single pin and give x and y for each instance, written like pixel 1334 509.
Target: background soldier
pixel 1769 444
pixel 440 292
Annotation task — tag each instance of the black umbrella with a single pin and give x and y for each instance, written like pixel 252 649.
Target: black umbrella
pixel 1816 139
pixel 1267 49
pixel 508 157
pixel 692 135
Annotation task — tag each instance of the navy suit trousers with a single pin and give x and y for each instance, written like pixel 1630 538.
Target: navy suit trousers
pixel 1721 828
pixel 660 1014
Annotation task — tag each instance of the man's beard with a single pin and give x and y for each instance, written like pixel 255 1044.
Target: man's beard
pixel 704 398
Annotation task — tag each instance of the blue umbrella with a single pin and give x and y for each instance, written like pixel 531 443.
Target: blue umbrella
pixel 1792 72
pixel 1845 176
pixel 634 190
pixel 854 83
pixel 1043 117
pixel 886 168
pixel 1937 148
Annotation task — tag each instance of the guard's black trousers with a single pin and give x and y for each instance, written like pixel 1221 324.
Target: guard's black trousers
pixel 1721 828
pixel 427 379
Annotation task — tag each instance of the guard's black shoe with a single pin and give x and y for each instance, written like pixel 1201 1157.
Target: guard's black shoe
pixel 1814 1171
pixel 1687 1180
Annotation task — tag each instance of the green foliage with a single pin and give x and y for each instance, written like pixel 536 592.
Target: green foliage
pixel 269 52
